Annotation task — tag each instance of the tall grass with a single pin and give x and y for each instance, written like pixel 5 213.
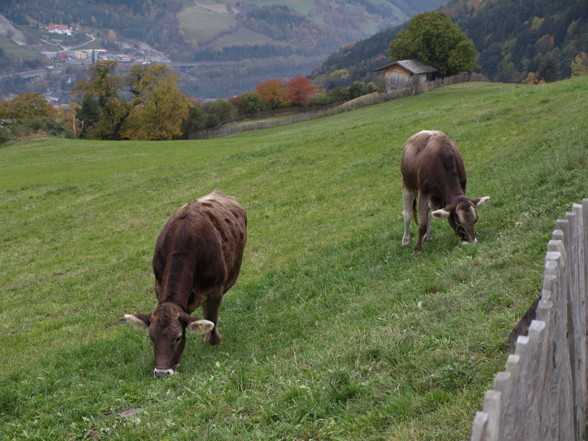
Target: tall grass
pixel 334 331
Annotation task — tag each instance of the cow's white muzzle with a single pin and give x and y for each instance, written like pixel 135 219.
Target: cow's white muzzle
pixel 160 373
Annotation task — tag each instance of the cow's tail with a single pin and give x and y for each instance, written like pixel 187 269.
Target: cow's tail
pixel 414 211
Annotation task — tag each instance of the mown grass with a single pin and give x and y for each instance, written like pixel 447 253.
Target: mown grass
pixel 334 331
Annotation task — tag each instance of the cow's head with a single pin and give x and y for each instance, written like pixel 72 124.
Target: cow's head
pixel 462 216
pixel 166 327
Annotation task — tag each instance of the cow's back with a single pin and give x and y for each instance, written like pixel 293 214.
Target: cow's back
pixel 432 162
pixel 200 246
pixel 230 221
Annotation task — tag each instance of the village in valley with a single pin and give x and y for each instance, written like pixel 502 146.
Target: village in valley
pixel 88 52
pixel 65 52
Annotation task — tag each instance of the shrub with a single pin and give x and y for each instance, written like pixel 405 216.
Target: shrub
pixel 250 103
pixel 5 135
pixel 219 111
pixel 196 120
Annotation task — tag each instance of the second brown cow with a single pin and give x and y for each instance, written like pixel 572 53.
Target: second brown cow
pixel 196 260
pixel 433 173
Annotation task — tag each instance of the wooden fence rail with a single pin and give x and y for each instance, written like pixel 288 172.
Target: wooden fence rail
pixel 362 101
pixel 541 395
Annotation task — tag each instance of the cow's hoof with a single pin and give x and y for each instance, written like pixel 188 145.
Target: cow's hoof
pixel 212 338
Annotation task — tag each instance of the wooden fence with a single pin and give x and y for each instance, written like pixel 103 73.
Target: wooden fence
pixel 362 101
pixel 541 395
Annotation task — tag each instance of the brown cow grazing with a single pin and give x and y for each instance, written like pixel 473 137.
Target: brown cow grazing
pixel 196 260
pixel 433 172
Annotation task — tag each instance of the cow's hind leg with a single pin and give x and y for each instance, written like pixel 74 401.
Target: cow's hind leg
pixel 210 309
pixel 408 200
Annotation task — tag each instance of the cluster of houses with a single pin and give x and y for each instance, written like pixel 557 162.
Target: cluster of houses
pixel 80 56
pixel 62 29
pixel 86 56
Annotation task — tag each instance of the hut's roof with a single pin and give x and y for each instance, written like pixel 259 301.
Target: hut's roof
pixel 413 66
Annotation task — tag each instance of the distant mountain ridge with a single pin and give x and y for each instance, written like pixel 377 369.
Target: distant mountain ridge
pixel 514 39
pixel 287 36
pixel 182 28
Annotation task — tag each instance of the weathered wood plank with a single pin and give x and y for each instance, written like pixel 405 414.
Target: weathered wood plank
pixel 492 408
pixel 577 322
pixel 479 427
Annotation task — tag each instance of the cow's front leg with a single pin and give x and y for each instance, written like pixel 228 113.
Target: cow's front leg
pixel 423 221
pixel 408 200
pixel 210 309
pixel 429 234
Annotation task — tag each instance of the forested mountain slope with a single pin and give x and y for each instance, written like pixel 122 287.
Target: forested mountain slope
pixel 513 38
pixel 516 37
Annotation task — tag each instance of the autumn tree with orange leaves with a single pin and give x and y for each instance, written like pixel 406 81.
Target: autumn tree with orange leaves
pixel 273 93
pixel 299 91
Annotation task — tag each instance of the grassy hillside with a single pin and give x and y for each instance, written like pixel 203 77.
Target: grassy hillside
pixel 334 331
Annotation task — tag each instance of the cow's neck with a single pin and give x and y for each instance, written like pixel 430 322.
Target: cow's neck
pixel 169 306
pixel 179 300
pixel 176 294
pixel 450 183
pixel 453 194
pixel 176 286
pixel 458 197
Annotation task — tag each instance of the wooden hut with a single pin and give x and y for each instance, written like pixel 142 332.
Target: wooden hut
pixel 402 73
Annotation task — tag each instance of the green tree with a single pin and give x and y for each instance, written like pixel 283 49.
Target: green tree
pixel 356 89
pixel 219 111
pixel 158 107
pixel 112 117
pixel 88 115
pixel 27 105
pixel 579 65
pixel 26 114
pixel 338 94
pixel 101 83
pixel 4 109
pixel 434 39
pixel 195 121
pixel 250 103
pixel 101 112
pixel 549 70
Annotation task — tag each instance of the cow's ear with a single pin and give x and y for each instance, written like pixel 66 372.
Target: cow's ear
pixel 200 326
pixel 442 213
pixel 139 321
pixel 481 202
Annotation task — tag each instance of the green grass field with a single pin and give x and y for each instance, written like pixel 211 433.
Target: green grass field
pixel 201 24
pixel 14 50
pixel 241 37
pixel 334 331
